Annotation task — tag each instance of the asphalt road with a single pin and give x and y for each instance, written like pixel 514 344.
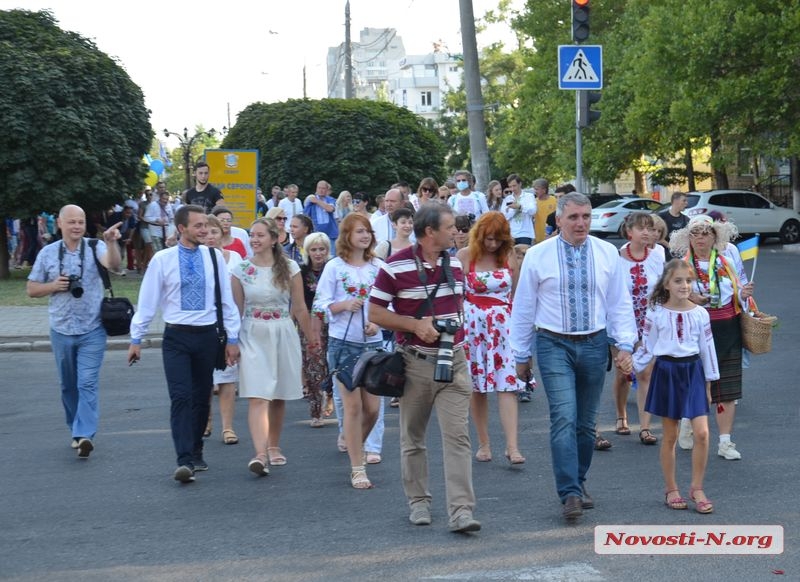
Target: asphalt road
pixel 120 516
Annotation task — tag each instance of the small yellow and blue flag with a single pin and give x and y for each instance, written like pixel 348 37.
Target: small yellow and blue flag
pixel 748 248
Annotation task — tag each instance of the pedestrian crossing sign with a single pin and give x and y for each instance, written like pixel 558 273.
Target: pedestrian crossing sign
pixel 580 66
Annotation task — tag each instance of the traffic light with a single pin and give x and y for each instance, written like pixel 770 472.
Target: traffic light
pixel 586 115
pixel 580 20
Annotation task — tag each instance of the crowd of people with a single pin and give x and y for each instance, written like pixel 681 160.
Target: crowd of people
pixel 475 291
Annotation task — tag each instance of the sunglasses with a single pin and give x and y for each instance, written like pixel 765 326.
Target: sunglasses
pixel 280 218
pixel 699 233
pixel 426 189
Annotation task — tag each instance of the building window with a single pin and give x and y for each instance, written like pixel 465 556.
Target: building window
pixel 426 98
pixel 745 161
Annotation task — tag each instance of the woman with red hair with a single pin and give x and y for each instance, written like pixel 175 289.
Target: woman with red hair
pixel 490 283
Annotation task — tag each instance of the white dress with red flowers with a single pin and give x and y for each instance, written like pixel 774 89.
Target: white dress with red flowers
pixel 270 363
pixel 487 313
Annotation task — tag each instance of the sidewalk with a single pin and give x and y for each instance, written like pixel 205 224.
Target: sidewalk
pixel 25 329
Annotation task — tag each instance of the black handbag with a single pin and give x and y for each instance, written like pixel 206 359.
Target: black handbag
pixel 116 313
pixel 381 373
pixel 220 361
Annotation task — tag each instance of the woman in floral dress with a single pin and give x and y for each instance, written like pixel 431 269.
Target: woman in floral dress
pixel 490 281
pixel 645 267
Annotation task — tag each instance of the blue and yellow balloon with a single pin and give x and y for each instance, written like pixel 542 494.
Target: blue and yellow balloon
pixel 151 179
pixel 157 166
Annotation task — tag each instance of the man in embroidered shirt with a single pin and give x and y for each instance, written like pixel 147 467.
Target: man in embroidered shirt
pixel 572 295
pixel 180 281
pixel 405 282
pixel 67 272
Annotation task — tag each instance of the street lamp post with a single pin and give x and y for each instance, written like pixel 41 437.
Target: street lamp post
pixel 186 144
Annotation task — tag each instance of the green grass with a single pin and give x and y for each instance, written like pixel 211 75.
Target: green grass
pixel 12 290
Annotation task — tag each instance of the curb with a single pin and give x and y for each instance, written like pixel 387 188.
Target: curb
pixel 45 345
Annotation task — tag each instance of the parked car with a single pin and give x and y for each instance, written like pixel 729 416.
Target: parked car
pixel 751 212
pixel 607 218
pixel 597 199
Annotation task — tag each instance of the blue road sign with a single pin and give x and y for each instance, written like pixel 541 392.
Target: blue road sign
pixel 580 66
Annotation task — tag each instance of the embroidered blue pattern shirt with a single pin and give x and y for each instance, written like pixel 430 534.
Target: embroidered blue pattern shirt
pixel 193 279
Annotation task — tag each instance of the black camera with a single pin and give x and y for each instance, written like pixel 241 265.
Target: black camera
pixel 75 286
pixel 447 329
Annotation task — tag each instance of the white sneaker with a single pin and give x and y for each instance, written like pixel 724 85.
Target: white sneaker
pixel 728 451
pixel 686 435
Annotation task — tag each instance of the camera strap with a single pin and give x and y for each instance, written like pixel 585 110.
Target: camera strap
pixel 100 268
pixel 62 250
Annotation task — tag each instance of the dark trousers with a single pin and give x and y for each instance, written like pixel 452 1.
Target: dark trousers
pixel 189 367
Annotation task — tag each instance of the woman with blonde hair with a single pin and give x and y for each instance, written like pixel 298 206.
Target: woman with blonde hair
pixel 316 252
pixel 490 282
pixel 426 192
pixel 278 214
pixel 344 205
pixel 494 195
pixel 269 292
pixel 224 380
pixel 342 292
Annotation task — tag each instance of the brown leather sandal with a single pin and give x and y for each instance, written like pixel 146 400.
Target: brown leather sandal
pixel 647 437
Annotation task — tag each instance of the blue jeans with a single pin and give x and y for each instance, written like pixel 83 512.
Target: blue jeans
pixel 78 359
pixel 573 373
pixel 343 355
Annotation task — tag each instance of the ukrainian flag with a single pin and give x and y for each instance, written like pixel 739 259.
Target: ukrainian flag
pixel 749 248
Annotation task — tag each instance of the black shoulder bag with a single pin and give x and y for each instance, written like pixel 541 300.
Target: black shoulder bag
pixel 116 313
pixel 220 362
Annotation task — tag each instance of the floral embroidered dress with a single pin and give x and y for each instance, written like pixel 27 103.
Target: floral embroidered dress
pixel 270 361
pixel 487 313
pixel 644 273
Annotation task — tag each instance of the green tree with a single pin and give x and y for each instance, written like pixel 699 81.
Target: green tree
pixel 75 126
pixel 353 144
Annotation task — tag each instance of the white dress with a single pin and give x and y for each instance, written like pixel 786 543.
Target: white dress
pixel 229 375
pixel 270 362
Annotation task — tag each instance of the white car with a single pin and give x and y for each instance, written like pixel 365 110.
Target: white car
pixel 749 211
pixel 607 218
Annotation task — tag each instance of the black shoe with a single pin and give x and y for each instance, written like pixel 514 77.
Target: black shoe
pixel 85 447
pixel 586 501
pixel 524 396
pixel 184 474
pixel 572 508
pixel 199 464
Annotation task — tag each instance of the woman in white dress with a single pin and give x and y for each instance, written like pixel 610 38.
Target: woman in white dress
pixel 264 287
pixel 224 380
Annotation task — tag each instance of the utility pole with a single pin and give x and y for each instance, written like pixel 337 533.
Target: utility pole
pixel 305 93
pixel 348 55
pixel 479 152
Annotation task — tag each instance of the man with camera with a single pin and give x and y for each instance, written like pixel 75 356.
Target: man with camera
pixel 425 288
pixel 67 272
pixel 572 298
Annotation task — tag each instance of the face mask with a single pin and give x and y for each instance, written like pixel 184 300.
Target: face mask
pixel 462 185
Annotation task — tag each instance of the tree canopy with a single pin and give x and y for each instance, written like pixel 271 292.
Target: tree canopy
pixel 354 144
pixel 679 76
pixel 75 126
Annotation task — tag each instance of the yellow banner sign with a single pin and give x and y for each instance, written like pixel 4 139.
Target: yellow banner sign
pixel 235 173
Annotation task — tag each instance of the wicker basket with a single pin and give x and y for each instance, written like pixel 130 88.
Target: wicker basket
pixel 757 332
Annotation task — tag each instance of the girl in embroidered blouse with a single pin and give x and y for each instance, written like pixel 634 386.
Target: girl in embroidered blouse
pixel 645 268
pixel 677 334
pixel 342 291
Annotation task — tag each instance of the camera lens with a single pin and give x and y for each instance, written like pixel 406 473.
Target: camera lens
pixel 77 292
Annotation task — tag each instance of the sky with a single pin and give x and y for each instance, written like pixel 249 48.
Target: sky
pixel 200 63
